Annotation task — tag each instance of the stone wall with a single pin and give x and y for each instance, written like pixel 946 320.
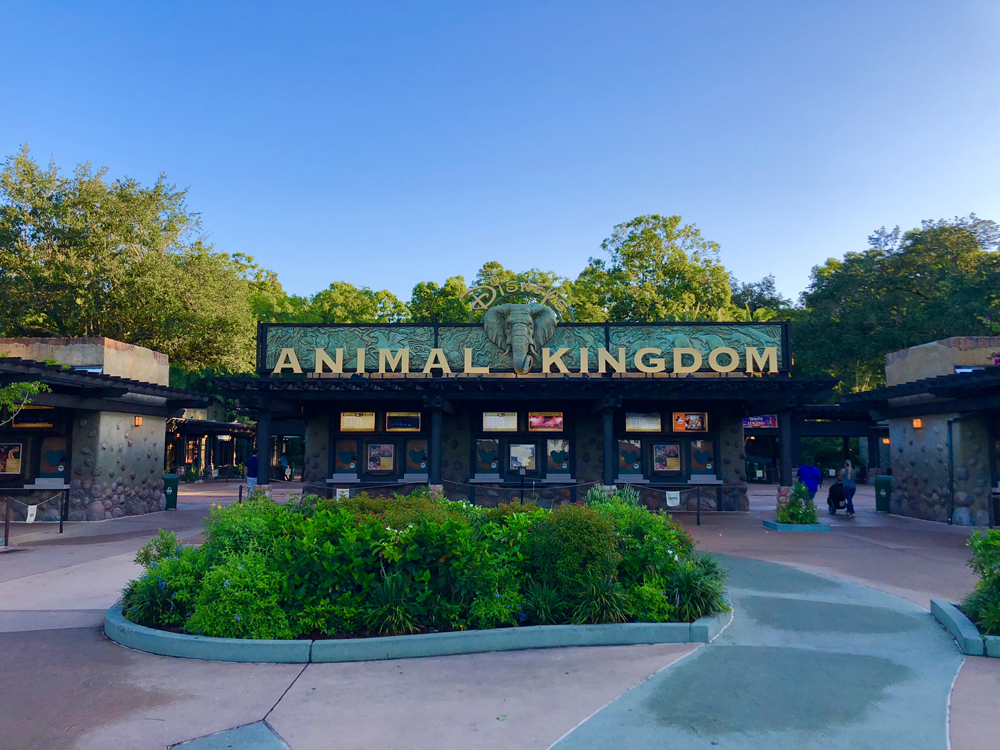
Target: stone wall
pixel 116 467
pixel 316 463
pixel 116 357
pixel 920 487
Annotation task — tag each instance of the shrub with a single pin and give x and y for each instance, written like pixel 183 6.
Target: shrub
pixel 601 601
pixel 253 524
pixel 393 609
pixel 982 605
pixel 571 546
pixel 543 605
pixel 165 594
pixel 799 508
pixel 648 602
pixel 239 599
pixel 696 589
pixel 164 544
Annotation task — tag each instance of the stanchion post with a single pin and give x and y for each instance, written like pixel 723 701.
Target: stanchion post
pixel 64 510
pixel 6 523
pixel 698 504
pixel 241 492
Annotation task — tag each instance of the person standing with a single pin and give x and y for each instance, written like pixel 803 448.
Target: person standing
pixel 251 467
pixel 809 476
pixel 849 479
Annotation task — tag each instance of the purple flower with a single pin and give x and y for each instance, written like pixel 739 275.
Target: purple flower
pixel 237 618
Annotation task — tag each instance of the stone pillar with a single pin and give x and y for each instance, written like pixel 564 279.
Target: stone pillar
pixel 263 447
pixel 608 421
pixel 434 464
pixel 209 456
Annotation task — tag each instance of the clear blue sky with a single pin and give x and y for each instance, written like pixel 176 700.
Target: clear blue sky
pixel 388 143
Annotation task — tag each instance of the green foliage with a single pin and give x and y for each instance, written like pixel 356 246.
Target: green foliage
pixel 431 303
pixel 239 598
pixel 985 560
pixel 982 605
pixel 799 508
pixel 14 397
pixel 368 566
pixel 894 295
pixel 164 544
pixel 696 588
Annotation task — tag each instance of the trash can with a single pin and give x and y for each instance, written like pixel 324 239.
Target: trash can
pixel 170 490
pixel 883 491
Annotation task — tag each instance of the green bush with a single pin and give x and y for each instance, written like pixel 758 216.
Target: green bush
pixel 799 508
pixel 982 605
pixel 239 598
pixel 376 566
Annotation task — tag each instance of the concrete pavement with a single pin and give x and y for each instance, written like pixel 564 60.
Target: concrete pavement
pixel 64 686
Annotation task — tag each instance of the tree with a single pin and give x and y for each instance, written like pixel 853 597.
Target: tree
pixel 81 256
pixel 345 303
pixel 431 303
pixel 657 269
pixel 14 397
pixel 906 289
pixel 756 295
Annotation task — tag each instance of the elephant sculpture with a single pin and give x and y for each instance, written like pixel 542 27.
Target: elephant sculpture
pixel 520 331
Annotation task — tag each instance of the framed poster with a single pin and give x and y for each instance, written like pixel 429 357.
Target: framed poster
pixel 667 457
pixel 545 421
pixel 690 421
pixel 10 458
pixel 522 456
pixel 402 421
pixel 357 421
pixel 380 456
pixel 500 421
pixel 762 422
pixel 638 422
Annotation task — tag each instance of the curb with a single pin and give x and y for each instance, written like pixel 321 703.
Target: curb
pixel 970 642
pixel 120 630
pixel 775 526
pixel 141 638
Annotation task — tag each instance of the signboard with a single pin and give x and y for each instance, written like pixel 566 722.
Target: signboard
pixel 380 456
pixel 636 422
pixel 500 421
pixel 522 456
pixel 673 498
pixel 762 422
pixel 10 458
pixel 33 416
pixel 690 421
pixel 667 457
pixel 400 421
pixel 545 421
pixel 357 421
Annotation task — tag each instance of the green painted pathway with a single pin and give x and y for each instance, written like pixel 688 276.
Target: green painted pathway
pixel 808 662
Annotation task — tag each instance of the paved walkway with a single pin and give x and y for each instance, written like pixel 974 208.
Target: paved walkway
pixel 811 650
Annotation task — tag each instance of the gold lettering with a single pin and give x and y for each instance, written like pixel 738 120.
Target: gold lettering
pixel 471 369
pixel 585 360
pixel 437 361
pixel 655 365
pixel 549 359
pixel 511 286
pixel 360 364
pixel 769 358
pixel 323 360
pixel 734 359
pixel 287 359
pixel 527 286
pixel 604 358
pixel 679 367
pixel 401 360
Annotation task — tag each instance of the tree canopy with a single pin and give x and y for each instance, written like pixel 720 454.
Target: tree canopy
pixel 906 289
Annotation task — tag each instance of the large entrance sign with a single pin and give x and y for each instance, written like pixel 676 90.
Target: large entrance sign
pixel 523 339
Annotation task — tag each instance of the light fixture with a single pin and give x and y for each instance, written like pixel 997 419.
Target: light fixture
pixel 224 438
pixel 917 423
pixel 138 421
pixel 885 441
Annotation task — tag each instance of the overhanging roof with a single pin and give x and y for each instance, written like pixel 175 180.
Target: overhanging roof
pixel 961 391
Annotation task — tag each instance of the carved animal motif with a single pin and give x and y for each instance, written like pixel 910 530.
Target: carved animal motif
pixel 521 331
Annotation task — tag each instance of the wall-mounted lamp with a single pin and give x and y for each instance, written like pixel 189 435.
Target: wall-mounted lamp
pixel 138 422
pixel 917 423
pixel 885 441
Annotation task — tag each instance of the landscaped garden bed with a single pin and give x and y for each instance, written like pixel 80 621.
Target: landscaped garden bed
pixel 975 623
pixel 797 513
pixel 371 567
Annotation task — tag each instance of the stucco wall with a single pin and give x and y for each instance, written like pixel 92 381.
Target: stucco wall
pixel 116 357
pixel 117 467
pixel 939 358
pixel 920 469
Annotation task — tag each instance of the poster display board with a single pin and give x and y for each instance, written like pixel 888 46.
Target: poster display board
pixel 762 422
pixel 33 416
pixel 402 421
pixel 667 457
pixel 357 421
pixel 500 421
pixel 639 422
pixel 10 458
pixel 522 456
pixel 545 421
pixel 690 421
pixel 380 456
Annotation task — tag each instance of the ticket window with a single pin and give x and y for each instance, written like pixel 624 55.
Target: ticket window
pixel 515 444
pixel 380 445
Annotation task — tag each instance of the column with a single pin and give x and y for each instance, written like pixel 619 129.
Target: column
pixel 434 464
pixel 209 456
pixel 263 446
pixel 874 452
pixel 786 438
pixel 610 454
